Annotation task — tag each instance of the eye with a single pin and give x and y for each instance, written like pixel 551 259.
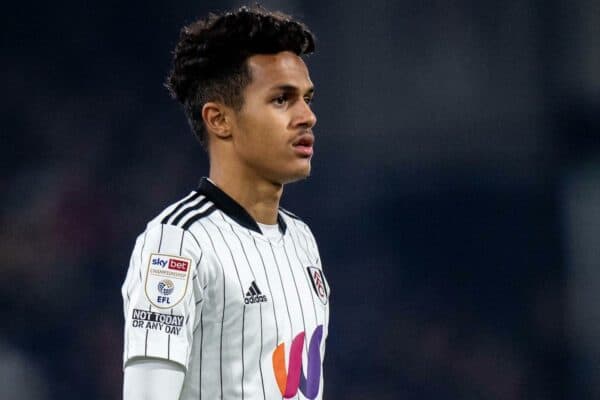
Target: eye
pixel 280 100
pixel 308 99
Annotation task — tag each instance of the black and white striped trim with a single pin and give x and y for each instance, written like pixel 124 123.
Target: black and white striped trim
pixel 189 211
pixel 181 204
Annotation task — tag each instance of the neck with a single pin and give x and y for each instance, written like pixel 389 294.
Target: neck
pixel 259 197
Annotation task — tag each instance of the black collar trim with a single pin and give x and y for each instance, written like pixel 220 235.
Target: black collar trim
pixel 230 207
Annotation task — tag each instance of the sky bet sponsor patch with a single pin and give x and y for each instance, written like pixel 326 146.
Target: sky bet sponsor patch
pixel 167 279
pixel 170 324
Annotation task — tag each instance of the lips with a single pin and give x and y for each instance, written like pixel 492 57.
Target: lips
pixel 304 145
pixel 305 140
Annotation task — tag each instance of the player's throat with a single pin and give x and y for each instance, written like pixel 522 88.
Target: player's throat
pixel 261 201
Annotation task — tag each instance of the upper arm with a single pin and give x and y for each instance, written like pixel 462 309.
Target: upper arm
pixel 160 295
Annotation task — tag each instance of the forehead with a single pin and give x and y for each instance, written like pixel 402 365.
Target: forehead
pixel 273 70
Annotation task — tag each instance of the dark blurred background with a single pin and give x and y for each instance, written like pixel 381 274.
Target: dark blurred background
pixel 455 193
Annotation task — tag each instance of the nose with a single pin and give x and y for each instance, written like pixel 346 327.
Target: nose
pixel 305 118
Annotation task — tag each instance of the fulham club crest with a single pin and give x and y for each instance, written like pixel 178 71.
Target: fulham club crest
pixel 318 283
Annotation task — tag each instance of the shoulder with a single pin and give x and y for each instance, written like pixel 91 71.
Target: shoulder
pixel 289 214
pixel 171 227
pixel 185 212
pixel 296 223
pixel 292 220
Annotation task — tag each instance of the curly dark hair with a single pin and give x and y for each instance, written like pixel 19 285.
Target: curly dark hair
pixel 209 61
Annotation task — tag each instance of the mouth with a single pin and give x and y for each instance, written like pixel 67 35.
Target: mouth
pixel 303 146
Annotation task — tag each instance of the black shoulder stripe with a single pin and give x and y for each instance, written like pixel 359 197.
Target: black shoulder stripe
pixel 179 206
pixel 289 214
pixel 188 210
pixel 196 217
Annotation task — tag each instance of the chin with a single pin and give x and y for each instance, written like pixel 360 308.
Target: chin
pixel 288 172
pixel 301 175
pixel 296 175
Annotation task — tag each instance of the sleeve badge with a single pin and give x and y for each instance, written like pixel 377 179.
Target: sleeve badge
pixel 318 283
pixel 167 279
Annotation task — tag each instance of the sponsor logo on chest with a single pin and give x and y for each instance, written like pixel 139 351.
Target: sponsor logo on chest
pixel 254 295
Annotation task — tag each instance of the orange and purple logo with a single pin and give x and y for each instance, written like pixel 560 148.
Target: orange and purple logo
pixel 291 379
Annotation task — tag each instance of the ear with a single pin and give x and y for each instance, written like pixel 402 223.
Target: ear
pixel 216 119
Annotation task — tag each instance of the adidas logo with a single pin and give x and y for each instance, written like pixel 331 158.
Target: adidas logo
pixel 254 295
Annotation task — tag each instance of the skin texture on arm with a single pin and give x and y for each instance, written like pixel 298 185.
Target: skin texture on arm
pixel 152 379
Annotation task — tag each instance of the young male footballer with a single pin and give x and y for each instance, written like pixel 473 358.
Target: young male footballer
pixel 225 296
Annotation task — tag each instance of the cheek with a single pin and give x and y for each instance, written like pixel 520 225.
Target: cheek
pixel 266 134
pixel 252 143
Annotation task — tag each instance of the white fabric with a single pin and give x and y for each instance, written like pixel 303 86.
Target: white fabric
pixel 146 333
pixel 152 379
pixel 270 231
pixel 247 298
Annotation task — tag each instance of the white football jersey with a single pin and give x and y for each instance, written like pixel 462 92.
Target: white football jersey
pixel 244 313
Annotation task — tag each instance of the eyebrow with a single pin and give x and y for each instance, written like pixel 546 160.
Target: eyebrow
pixel 293 89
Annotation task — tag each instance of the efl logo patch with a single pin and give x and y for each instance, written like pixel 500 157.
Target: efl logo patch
pixel 166 280
pixel 318 283
pixel 166 287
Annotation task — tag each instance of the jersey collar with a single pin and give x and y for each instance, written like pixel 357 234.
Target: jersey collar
pixel 230 207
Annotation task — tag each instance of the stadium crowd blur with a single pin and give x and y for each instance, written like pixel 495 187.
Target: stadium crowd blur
pixel 455 196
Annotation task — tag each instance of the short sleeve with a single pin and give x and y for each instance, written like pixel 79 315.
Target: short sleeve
pixel 159 295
